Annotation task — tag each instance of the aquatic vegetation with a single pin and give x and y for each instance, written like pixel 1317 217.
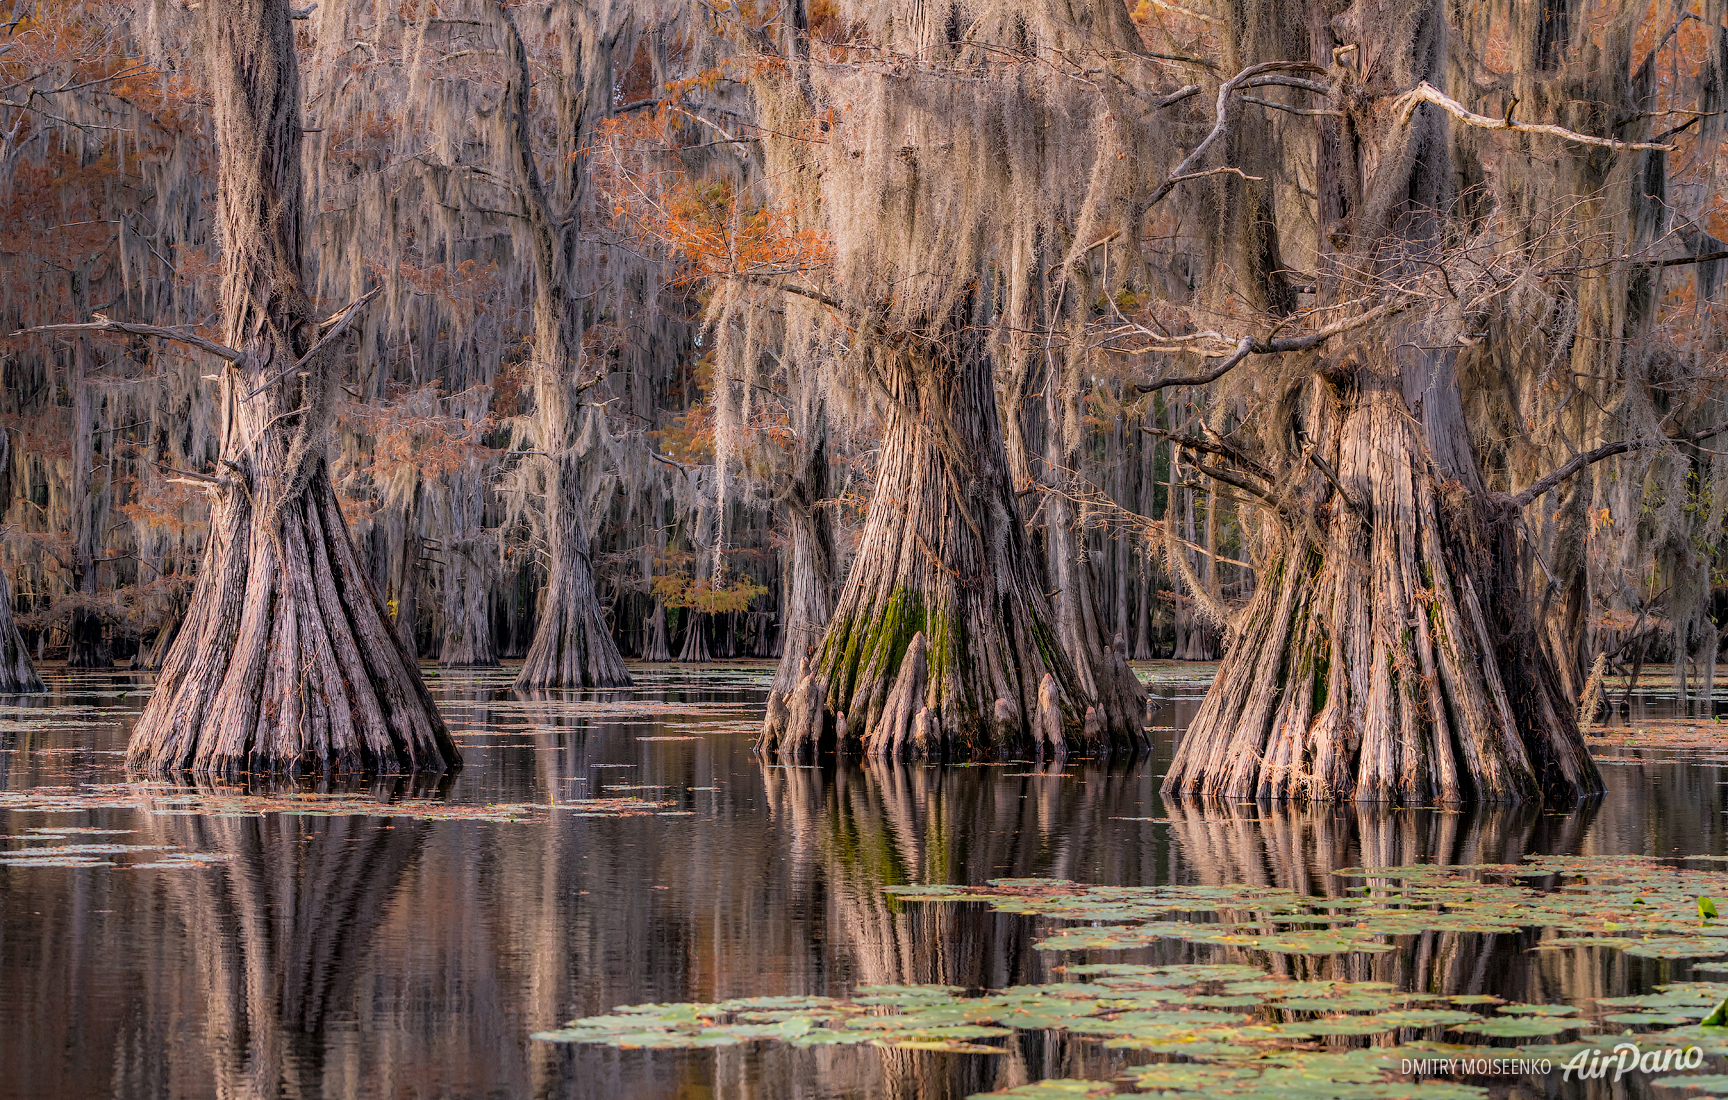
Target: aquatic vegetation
pixel 1240 1030
pixel 1053 1089
pixel 163 856
pixel 1691 736
pixel 1645 907
pixel 1262 1050
pixel 1714 1083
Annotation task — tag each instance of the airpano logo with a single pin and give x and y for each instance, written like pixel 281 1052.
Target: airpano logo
pixel 1592 1065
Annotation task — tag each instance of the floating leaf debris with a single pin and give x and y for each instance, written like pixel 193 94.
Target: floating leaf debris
pixel 220 802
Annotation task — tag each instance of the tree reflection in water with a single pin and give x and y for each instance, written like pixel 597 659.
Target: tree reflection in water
pixel 366 957
pixel 280 936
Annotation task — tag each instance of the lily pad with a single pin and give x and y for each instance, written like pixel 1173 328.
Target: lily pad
pixel 1713 1083
pixel 1538 1010
pixel 1518 1027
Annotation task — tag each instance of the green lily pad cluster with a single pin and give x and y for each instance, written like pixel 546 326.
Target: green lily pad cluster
pixel 1643 906
pixel 1212 1013
pixel 1366 1073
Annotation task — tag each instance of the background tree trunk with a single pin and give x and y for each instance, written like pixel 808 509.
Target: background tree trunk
pixel 17 673
pixel 86 636
pixel 810 586
pixel 1100 661
pixel 286 660
pixel 470 558
pixel 573 646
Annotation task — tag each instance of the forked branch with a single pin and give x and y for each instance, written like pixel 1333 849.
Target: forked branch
pixel 1221 449
pixel 1249 346
pixel 1250 77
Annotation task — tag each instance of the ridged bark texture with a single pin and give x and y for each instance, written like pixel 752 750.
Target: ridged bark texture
pixel 468 569
pixel 943 632
pixel 809 588
pixel 286 660
pixel 1371 663
pixel 17 674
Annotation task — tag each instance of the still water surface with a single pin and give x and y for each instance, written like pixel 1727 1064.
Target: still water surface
pixel 366 956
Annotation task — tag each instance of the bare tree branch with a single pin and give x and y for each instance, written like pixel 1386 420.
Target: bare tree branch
pixel 103 324
pixel 1607 450
pixel 1427 93
pixel 1226 93
pixel 333 327
pixel 1222 450
pixel 1249 346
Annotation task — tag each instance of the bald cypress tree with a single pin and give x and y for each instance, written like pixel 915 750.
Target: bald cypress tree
pixel 1423 604
pixel 286 659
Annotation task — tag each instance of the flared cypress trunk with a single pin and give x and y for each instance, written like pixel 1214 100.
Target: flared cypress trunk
pixel 286 660
pixel 655 646
pixel 1377 660
pixel 573 646
pixel 1389 652
pixel 695 649
pixel 943 643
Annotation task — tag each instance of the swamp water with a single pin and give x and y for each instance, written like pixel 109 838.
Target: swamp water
pixel 625 849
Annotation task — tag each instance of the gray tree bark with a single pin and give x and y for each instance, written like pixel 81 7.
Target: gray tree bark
pixel 810 585
pixel 286 660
